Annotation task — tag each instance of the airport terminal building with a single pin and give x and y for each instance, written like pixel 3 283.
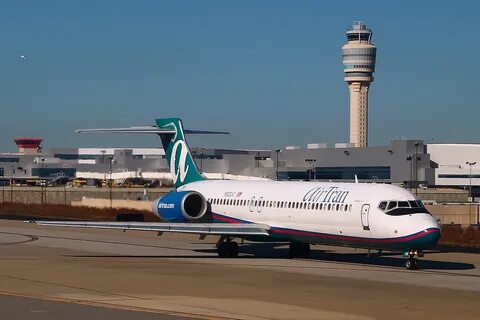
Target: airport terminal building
pixel 404 162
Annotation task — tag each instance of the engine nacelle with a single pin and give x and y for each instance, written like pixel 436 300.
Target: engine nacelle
pixel 181 206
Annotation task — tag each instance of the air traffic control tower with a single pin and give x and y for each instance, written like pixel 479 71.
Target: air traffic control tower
pixel 359 64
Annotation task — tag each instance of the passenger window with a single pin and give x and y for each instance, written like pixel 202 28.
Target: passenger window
pixel 383 205
pixel 346 207
pixel 338 207
pixel 308 206
pixel 329 206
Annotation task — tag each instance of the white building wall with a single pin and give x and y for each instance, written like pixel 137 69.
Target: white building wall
pixel 452 161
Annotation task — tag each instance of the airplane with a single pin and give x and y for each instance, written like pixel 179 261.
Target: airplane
pixel 370 216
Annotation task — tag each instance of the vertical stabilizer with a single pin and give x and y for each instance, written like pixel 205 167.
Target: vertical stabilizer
pixel 179 157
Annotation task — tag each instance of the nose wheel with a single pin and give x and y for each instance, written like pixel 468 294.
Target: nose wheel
pixel 412 262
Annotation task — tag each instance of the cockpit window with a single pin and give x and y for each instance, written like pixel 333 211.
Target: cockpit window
pixel 399 208
pixel 413 204
pixel 392 205
pixel 403 204
pixel 383 205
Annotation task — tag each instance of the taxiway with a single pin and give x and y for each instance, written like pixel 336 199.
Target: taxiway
pixel 180 276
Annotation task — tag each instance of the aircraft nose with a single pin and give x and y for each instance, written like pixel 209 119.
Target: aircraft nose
pixel 429 232
pixel 431 237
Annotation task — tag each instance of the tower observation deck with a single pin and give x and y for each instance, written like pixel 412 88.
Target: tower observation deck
pixel 359 55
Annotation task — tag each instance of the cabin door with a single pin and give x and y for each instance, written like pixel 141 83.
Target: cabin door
pixel 364 217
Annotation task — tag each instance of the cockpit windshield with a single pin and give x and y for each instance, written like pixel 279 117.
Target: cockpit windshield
pixel 400 208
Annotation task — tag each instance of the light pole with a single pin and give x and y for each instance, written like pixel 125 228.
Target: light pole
pixel 202 155
pixel 11 184
pixel 417 144
pixel 62 174
pixel 410 158
pixel 276 165
pixel 110 180
pixel 470 164
pixel 311 163
pixel 42 182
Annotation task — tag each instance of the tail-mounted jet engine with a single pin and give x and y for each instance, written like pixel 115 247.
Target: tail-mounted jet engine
pixel 181 207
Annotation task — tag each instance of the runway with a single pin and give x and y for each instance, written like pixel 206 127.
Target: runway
pixel 180 276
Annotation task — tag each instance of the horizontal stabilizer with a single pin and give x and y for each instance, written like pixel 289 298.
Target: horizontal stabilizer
pixel 143 129
pixel 146 130
pixel 237 229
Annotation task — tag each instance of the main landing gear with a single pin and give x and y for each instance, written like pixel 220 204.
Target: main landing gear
pixel 227 248
pixel 299 250
pixel 412 262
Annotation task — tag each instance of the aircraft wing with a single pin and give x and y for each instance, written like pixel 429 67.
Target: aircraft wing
pixel 234 229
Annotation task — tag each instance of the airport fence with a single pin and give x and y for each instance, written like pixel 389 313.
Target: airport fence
pixel 65 196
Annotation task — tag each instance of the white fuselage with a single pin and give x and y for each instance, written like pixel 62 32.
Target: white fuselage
pixel 321 212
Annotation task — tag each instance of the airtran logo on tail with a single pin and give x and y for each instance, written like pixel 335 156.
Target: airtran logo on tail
pixel 179 171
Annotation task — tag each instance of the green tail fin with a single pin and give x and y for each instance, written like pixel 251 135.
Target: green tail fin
pixel 180 160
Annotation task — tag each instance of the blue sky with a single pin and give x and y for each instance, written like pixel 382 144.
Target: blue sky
pixel 270 72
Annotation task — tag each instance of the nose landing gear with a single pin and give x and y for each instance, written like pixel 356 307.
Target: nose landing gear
pixel 412 262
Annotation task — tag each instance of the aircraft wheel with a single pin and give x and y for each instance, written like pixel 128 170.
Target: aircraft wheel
pixel 299 250
pixel 223 250
pixel 233 249
pixel 411 264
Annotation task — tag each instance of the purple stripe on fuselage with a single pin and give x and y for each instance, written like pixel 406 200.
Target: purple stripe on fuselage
pixel 295 232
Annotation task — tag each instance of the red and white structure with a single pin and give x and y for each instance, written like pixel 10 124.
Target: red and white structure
pixel 28 145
